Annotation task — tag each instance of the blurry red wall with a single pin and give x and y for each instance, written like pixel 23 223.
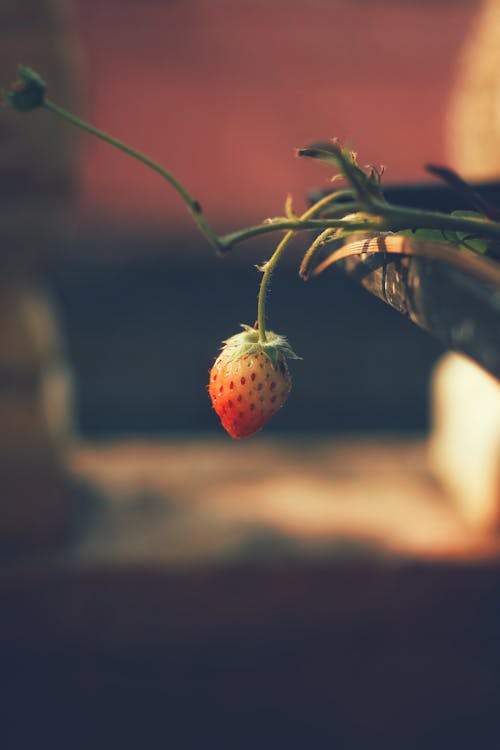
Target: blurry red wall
pixel 221 92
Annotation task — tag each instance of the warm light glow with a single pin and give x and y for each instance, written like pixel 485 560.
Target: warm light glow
pixel 211 500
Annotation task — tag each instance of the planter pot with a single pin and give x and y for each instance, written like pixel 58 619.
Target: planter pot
pixel 454 296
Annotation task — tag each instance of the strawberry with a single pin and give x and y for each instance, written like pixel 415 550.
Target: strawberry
pixel 250 381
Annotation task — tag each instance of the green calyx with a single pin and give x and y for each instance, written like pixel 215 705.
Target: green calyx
pixel 275 347
pixel 28 92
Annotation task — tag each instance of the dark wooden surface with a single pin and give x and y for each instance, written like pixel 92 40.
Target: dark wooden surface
pixel 127 320
pixel 346 655
pixel 321 594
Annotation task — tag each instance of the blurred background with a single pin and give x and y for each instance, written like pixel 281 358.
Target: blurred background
pixel 320 582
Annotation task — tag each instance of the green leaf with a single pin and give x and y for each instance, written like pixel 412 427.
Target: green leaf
pixel 428 235
pixel 468 240
pixel 478 244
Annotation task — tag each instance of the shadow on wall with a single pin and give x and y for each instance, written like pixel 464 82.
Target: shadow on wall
pixel 143 334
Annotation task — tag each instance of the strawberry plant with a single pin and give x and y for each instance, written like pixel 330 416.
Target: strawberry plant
pixel 250 379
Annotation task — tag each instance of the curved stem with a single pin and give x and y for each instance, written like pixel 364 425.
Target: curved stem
pixel 396 218
pixel 193 205
pixel 320 240
pixel 275 257
pixel 274 225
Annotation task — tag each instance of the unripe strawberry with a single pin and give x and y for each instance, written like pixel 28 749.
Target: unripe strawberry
pixel 250 381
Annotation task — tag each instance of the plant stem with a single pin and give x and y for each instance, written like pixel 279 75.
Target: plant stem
pixel 275 257
pixel 320 240
pixel 396 218
pixel 280 223
pixel 192 204
pixel 403 217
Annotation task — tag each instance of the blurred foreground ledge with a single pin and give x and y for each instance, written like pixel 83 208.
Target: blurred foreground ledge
pixel 185 506
pixel 208 501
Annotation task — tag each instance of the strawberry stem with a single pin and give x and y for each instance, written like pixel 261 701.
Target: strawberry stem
pixel 269 267
pixel 192 204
